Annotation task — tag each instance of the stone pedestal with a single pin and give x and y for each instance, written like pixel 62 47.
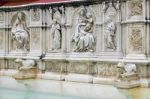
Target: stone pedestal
pixel 128 81
pixel 26 73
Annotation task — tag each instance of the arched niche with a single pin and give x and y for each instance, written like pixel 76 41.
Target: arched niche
pixel 76 21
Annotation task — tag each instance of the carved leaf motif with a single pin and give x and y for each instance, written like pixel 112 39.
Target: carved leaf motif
pixel 135 7
pixel 135 40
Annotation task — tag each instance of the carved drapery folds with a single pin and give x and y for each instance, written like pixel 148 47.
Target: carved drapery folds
pixel 110 27
pixel 83 39
pixel 19 32
pixel 58 20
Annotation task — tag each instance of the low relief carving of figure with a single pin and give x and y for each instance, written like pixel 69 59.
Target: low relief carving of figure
pixel 83 40
pixel 19 32
pixel 56 34
pixel 110 33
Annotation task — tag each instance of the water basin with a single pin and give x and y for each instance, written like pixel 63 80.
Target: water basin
pixel 47 89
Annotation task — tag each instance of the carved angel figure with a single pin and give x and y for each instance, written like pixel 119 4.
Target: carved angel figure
pixel 83 40
pixel 19 32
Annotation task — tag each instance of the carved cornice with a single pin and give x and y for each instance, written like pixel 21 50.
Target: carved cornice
pixel 46 5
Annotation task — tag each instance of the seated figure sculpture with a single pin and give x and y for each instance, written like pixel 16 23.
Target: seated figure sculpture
pixel 83 40
pixel 20 33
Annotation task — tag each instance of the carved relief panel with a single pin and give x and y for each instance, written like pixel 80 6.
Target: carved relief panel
pixel 80 67
pixel 35 44
pixel 57 22
pixel 19 34
pixel 55 66
pixel 11 64
pixel 135 9
pixel 83 39
pixel 110 19
pixel 35 17
pixel 136 39
pixel 105 70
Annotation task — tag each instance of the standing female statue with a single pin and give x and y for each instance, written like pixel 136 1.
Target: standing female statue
pixel 56 35
pixel 83 40
pixel 19 32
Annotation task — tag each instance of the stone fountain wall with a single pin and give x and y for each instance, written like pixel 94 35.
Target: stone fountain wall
pixel 79 41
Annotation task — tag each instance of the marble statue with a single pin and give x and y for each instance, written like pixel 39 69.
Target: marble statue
pixel 83 40
pixel 110 33
pixel 19 32
pixel 28 69
pixel 56 34
pixel 58 20
pixel 130 68
pixel 120 70
pixel 26 64
pixel 126 72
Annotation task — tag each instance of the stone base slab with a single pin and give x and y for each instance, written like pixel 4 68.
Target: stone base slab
pixel 145 82
pixel 79 78
pixel 51 76
pixel 29 73
pixel 127 84
pixel 109 81
pixel 9 72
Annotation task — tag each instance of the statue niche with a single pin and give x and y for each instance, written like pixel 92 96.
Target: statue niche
pixel 57 14
pixel 110 27
pixel 19 32
pixel 83 39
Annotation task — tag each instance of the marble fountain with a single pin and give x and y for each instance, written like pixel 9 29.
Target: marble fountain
pixel 86 42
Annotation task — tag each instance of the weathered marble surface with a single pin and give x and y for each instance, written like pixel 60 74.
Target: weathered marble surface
pixel 86 40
